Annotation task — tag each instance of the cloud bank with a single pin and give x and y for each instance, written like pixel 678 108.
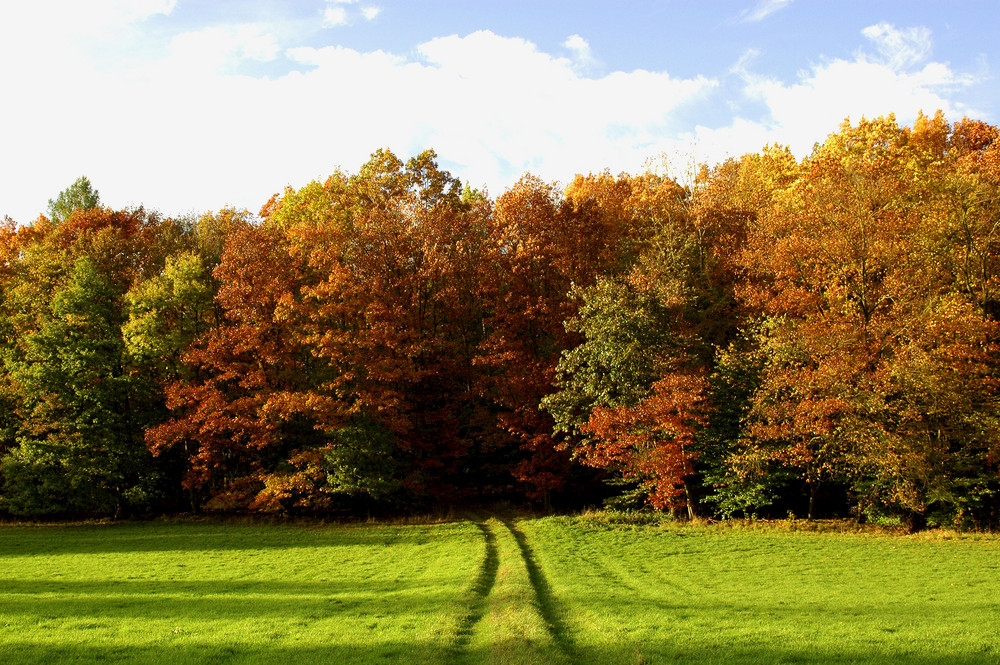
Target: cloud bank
pixel 188 127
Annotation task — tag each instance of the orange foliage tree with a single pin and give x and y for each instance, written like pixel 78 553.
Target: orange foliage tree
pixel 847 267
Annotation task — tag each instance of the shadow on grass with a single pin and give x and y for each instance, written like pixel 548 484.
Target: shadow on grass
pixel 181 537
pixel 180 649
pixel 216 600
pixel 547 604
pixel 480 591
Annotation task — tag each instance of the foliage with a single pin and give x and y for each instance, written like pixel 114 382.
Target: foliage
pixel 168 312
pixel 867 382
pixel 80 195
pixel 78 448
pixel 774 336
pixel 360 459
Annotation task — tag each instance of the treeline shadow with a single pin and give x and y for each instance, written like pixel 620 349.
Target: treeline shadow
pixel 182 651
pixel 190 537
pixel 218 599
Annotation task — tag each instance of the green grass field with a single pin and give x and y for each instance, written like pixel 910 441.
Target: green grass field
pixel 204 593
pixel 547 590
pixel 731 594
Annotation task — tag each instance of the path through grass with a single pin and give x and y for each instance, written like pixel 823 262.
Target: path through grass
pixel 514 624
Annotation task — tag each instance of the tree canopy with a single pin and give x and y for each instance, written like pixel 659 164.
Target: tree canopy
pixel 814 336
pixel 79 196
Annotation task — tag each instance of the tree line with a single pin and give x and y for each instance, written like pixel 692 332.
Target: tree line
pixel 774 335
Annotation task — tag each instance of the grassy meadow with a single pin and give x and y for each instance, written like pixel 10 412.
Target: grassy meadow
pixel 225 593
pixel 737 594
pixel 585 589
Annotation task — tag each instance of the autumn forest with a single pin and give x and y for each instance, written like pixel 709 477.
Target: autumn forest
pixel 770 336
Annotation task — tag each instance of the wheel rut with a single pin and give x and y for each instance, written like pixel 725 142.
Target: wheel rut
pixel 481 588
pixel 513 616
pixel 546 602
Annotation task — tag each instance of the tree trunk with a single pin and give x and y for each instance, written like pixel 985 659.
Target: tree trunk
pixel 689 500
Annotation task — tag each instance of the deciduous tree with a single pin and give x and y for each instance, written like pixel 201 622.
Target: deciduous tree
pixel 81 195
pixel 79 449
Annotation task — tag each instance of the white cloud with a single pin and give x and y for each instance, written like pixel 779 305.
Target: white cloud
pixel 532 111
pixel 762 10
pixel 337 13
pixel 188 131
pixel 837 89
pixel 56 93
pixel 494 106
pixel 218 47
pixel 900 49
pixel 56 33
pixel 44 24
pixel 185 127
pixel 335 16
pixel 805 111
pixel 582 54
pixel 742 66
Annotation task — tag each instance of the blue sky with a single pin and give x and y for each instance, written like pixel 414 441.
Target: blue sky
pixel 192 105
